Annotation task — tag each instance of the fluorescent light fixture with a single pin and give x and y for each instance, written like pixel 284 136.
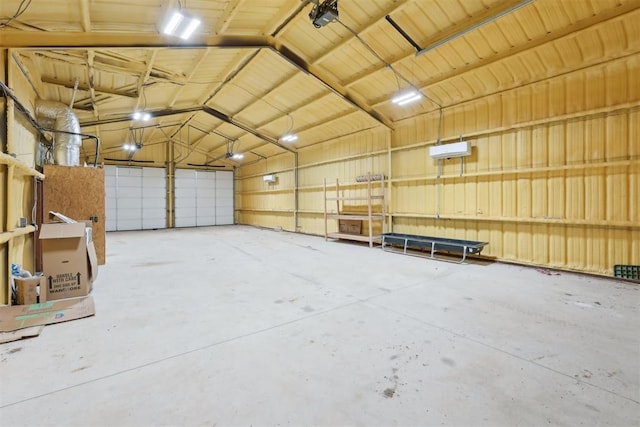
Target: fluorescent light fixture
pixel 191 27
pixel 138 115
pixel 181 24
pixel 174 21
pixel 406 97
pixel 131 146
pixel 237 156
pixel 290 137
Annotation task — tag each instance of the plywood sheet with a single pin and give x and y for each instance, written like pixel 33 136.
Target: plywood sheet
pixel 78 193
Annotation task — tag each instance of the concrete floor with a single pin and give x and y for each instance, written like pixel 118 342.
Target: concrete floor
pixel 242 326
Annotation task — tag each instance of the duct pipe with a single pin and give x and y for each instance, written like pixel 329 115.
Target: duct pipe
pixel 67 141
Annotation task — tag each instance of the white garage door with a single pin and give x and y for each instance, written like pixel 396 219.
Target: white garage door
pixel 224 197
pixel 203 198
pixel 135 198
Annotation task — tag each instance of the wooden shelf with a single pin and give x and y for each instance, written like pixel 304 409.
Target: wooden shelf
pixel 264 210
pixel 338 213
pixel 372 217
pixel 20 167
pixel 8 235
pixel 358 237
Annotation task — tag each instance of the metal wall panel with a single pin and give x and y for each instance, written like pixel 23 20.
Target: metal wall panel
pixel 551 181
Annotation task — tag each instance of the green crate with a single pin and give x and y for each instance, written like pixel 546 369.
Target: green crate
pixel 627 272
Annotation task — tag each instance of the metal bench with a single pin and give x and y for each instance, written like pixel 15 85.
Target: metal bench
pixel 391 241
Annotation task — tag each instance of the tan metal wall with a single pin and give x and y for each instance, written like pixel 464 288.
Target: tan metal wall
pixel 553 179
pixel 264 204
pixel 273 205
pixel 16 179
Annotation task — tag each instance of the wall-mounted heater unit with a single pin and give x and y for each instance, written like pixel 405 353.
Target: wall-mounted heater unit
pixel 270 179
pixel 455 149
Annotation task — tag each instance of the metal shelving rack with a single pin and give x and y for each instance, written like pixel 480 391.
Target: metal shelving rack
pixel 378 197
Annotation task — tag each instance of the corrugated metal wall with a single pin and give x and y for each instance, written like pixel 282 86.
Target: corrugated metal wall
pixel 554 175
pixel 273 205
pixel 553 179
pixel 16 186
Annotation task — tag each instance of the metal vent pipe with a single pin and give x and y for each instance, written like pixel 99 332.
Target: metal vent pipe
pixel 66 139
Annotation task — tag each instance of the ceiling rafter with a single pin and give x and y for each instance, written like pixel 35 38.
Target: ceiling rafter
pixel 287 13
pixel 85 15
pixel 91 75
pixel 85 87
pixel 569 31
pixel 259 98
pixel 229 73
pixel 233 7
pixel 369 26
pixel 10 38
pixel 207 109
pixel 194 69
pixel 352 98
pixel 546 38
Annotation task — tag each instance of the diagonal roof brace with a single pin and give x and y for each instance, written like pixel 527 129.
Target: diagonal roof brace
pixel 204 108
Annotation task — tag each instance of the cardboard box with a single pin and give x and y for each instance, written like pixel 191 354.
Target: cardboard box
pixel 68 262
pixel 17 317
pixel 350 226
pixel 27 289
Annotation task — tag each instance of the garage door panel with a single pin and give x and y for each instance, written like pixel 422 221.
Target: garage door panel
pixel 154 204
pixel 129 204
pixel 130 214
pixel 185 221
pixel 154 172
pixel 126 224
pixel 205 221
pixel 135 198
pixel 152 223
pixel 153 183
pixel 154 193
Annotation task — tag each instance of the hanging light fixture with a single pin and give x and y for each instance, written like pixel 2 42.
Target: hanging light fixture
pixel 406 97
pixel 289 137
pixel 140 115
pixel 181 24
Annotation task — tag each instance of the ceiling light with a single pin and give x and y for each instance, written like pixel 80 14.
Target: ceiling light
pixel 237 156
pixel 407 97
pixel 190 28
pixel 174 21
pixel 138 115
pixel 131 146
pixel 290 137
pixel 181 24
